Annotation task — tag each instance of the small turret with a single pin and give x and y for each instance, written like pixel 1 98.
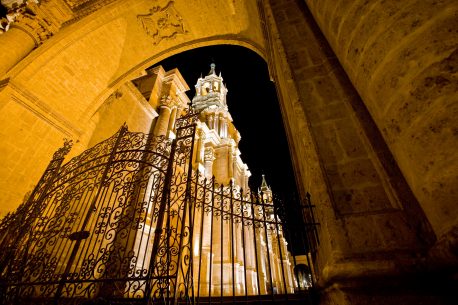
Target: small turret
pixel 265 191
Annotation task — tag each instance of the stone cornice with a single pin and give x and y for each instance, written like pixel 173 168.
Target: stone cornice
pixel 82 8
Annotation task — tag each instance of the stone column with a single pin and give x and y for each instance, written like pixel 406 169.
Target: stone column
pixel 342 144
pixel 209 157
pixel 205 272
pixel 247 176
pixel 200 146
pixel 31 26
pixel 162 123
pixel 262 261
pixel 172 119
pixel 230 162
pixel 401 56
pixel 210 120
pixel 14 46
pixel 215 122
pixel 221 126
pixel 250 259
pixel 225 128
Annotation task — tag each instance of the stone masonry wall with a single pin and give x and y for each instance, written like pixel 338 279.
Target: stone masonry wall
pixel 375 224
pixel 360 185
pixel 402 57
pixel 63 82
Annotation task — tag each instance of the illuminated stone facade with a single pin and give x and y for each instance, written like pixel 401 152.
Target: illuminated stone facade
pixel 218 156
pixel 157 99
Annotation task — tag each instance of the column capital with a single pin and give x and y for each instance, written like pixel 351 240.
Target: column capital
pixel 38 19
pixel 170 102
pixel 209 154
pixel 166 101
pixel 201 134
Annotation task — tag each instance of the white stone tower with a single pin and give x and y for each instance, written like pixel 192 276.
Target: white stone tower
pixel 219 155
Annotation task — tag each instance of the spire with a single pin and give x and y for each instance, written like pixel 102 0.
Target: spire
pixel 265 191
pixel 212 69
pixel 264 186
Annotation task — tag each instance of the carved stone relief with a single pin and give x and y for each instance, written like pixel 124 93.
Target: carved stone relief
pixel 162 23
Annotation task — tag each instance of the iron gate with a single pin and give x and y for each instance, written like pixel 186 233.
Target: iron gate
pixel 129 222
pixel 96 226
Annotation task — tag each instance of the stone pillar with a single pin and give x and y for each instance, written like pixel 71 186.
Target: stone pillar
pixel 206 260
pixel 14 46
pixel 401 56
pixel 162 123
pixel 225 128
pixel 239 259
pixel 230 162
pixel 172 120
pixel 250 259
pixel 221 126
pixel 200 147
pixel 215 122
pixel 209 157
pixel 261 253
pixel 31 26
pixel 210 120
pixel 246 178
pixel 342 139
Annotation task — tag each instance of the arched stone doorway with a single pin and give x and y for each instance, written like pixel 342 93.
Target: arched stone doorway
pixel 372 189
pixel 60 85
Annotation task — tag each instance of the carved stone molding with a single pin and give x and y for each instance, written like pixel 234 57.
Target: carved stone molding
pixel 201 134
pixel 82 8
pixel 170 102
pixel 34 26
pixel 77 3
pixel 162 23
pixel 166 101
pixel 36 18
pixel 209 154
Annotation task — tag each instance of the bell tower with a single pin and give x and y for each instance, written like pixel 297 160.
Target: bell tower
pixel 210 91
pixel 219 151
pixel 210 98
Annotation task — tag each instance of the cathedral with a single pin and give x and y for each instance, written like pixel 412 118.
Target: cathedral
pixel 367 91
pixel 164 216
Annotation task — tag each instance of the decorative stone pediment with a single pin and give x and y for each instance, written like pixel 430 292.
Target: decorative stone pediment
pixel 162 23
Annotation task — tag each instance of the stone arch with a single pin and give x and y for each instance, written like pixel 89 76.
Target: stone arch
pixel 336 65
pixel 141 66
pixel 61 84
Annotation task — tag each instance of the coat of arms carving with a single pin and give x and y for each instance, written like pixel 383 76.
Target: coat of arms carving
pixel 162 23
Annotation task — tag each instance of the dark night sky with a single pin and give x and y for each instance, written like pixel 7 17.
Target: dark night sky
pixel 253 104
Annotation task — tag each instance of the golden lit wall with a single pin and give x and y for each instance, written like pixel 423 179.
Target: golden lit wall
pixel 60 85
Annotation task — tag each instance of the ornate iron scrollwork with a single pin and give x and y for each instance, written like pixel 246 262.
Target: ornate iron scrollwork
pixel 129 221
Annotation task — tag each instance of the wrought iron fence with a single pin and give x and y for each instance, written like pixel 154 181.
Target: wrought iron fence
pixel 129 221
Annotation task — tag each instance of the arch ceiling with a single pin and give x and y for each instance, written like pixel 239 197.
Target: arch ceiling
pixel 76 70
